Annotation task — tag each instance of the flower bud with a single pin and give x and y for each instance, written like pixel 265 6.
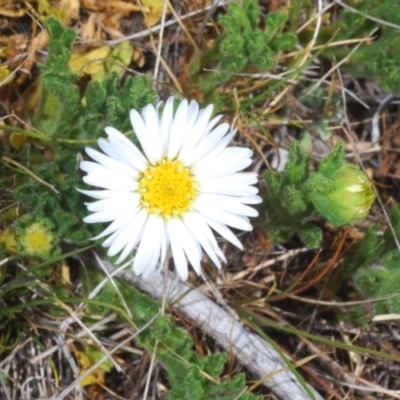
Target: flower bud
pixel 35 238
pixel 346 199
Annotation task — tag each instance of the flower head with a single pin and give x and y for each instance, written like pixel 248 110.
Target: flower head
pixel 35 238
pixel 345 198
pixel 182 186
pixel 352 194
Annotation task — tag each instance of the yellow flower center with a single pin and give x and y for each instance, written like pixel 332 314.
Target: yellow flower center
pixel 37 240
pixel 168 189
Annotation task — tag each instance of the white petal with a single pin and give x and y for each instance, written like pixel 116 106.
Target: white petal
pixel 237 180
pixel 177 133
pixel 130 224
pixel 126 149
pixel 151 121
pixel 164 250
pixel 148 252
pixel 118 223
pixel 211 124
pixel 228 188
pixel 178 254
pixel 118 151
pixel 224 231
pixel 206 169
pixel 236 221
pixel 191 141
pixel 112 181
pixel 221 145
pixel 251 200
pixel 121 238
pixel 103 216
pixel 193 137
pixel 112 150
pixel 192 114
pixel 225 203
pixel 189 244
pixel 195 223
pixel 148 140
pixel 240 178
pixel 135 233
pixel 93 168
pixel 166 123
pixel 123 202
pixel 206 144
pixel 100 194
pixel 113 165
pixel 89 166
pixel 238 152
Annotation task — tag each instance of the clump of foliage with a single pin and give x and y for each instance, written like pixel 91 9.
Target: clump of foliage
pixel 286 205
pixel 67 118
pixel 106 103
pixel 187 370
pixel 244 46
pixel 339 192
pixel 380 57
pixel 64 204
pixel 375 265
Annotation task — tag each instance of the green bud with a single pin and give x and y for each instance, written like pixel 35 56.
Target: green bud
pixel 35 237
pixel 346 199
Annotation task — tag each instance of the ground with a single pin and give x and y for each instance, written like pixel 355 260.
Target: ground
pixel 312 72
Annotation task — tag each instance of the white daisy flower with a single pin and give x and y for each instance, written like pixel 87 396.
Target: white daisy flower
pixel 183 186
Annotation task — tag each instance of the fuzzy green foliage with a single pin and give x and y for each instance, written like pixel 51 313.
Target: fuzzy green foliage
pixel 186 369
pixel 339 192
pixel 62 111
pixel 287 207
pixel 65 208
pixel 379 58
pixel 375 264
pixel 353 315
pixel 244 46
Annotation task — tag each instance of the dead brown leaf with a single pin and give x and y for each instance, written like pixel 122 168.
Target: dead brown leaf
pixel 70 7
pixel 38 43
pixel 90 29
pixel 123 7
pixel 138 57
pixel 110 24
pixel 115 5
pixel 95 5
pixel 12 10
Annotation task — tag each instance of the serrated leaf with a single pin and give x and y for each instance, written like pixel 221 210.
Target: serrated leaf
pixel 296 168
pixel 332 163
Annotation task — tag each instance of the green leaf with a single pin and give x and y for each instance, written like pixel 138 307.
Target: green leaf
pixel 330 165
pixel 296 168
